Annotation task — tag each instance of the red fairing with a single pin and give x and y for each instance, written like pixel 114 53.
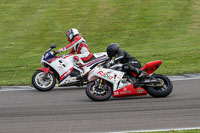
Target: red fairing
pixel 45 69
pixel 129 91
pixel 150 67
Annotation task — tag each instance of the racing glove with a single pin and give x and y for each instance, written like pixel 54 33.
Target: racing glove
pixel 109 64
pixel 60 50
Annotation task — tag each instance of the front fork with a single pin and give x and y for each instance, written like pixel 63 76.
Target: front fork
pixel 46 70
pixel 46 76
pixel 98 83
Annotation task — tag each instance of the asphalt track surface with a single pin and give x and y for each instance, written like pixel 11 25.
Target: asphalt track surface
pixel 68 110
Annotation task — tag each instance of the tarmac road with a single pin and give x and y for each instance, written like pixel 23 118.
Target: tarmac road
pixel 69 110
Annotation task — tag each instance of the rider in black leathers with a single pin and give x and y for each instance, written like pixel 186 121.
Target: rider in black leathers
pixel 129 63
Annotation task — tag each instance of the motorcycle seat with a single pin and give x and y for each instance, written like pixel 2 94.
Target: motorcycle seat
pixel 95 60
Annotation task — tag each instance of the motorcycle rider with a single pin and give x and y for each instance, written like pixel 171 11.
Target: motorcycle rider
pixel 78 45
pixel 129 63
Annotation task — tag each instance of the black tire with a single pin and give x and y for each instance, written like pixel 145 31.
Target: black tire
pixel 37 83
pixel 162 91
pixel 99 97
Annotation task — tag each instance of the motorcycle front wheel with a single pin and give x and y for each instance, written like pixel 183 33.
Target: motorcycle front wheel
pixel 99 92
pixel 43 81
pixel 163 89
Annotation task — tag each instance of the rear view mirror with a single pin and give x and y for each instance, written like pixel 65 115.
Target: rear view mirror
pixel 53 46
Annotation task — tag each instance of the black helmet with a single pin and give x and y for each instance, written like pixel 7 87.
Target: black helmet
pixel 112 49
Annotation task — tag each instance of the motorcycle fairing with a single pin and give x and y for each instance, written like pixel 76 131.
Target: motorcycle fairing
pixel 53 59
pixel 129 90
pixel 67 55
pixel 48 56
pixel 107 74
pixel 68 62
pixel 45 69
pixel 97 55
pixel 64 65
pixel 120 88
pixel 150 67
pixel 65 75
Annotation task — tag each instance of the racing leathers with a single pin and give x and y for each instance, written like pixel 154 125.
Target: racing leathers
pixel 129 63
pixel 79 46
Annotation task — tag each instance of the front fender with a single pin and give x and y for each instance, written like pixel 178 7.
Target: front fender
pixel 46 70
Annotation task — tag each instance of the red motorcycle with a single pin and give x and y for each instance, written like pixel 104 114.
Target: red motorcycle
pixel 104 82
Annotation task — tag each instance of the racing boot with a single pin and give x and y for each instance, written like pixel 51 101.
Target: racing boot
pixel 133 81
pixel 141 74
pixel 80 64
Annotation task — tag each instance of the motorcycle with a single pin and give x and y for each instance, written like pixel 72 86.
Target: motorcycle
pixel 64 68
pixel 104 82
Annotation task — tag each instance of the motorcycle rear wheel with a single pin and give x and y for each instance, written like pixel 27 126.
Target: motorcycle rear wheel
pixel 99 93
pixel 43 82
pixel 163 90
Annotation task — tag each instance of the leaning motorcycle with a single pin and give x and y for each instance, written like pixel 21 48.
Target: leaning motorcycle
pixel 104 82
pixel 65 69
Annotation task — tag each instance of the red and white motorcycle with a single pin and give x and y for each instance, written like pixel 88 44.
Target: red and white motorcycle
pixel 63 68
pixel 104 83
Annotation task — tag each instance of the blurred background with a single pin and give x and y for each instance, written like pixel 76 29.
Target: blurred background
pixel 147 29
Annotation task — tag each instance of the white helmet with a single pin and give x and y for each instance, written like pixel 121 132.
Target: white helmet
pixel 71 34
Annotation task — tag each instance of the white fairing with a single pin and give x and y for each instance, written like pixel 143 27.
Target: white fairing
pixel 64 66
pixel 110 75
pixel 97 55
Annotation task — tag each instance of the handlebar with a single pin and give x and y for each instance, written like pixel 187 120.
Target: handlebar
pixel 55 52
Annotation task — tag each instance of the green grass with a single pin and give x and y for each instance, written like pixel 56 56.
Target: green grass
pixel 176 131
pixel 147 29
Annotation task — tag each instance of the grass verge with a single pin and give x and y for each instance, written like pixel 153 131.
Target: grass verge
pixel 147 29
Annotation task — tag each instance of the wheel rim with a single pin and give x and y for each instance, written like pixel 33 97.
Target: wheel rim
pixel 100 91
pixel 163 86
pixel 43 82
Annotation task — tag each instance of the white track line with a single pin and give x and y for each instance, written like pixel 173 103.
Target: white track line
pixel 15 90
pixel 184 79
pixel 158 130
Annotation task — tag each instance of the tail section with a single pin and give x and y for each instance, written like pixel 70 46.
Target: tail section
pixel 150 67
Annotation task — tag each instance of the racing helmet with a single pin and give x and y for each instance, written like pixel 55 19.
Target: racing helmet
pixel 71 33
pixel 112 49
